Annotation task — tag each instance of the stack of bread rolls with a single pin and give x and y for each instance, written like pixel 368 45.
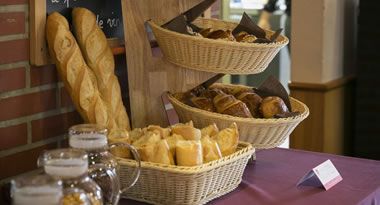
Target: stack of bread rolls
pixel 86 66
pixel 180 144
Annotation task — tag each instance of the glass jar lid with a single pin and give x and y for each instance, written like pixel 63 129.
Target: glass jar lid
pixel 87 136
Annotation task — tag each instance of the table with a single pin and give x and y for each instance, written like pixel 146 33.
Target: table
pixel 272 179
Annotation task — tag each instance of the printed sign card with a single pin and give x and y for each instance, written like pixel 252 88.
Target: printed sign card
pixel 324 175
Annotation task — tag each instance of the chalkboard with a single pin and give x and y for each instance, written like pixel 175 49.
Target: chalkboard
pixel 108 13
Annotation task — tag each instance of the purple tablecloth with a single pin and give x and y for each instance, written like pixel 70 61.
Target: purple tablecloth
pixel 272 180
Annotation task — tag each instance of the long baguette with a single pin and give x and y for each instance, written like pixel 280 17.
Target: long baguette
pixel 78 79
pixel 99 58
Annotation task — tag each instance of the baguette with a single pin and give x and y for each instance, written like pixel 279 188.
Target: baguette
pixel 77 77
pixel 99 58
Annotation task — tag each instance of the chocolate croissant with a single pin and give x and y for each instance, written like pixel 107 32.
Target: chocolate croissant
pixel 253 101
pixel 228 104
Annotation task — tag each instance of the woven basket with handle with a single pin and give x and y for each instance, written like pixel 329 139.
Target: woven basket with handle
pixel 217 56
pixel 169 184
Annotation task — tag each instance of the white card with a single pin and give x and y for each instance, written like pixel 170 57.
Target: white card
pixel 325 175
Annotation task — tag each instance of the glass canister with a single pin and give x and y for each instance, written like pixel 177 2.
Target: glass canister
pixel 36 189
pixel 93 139
pixel 71 166
pixel 45 190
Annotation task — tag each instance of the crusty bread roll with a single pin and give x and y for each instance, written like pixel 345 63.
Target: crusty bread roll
pixel 120 136
pixel 188 132
pixel 228 139
pixel 210 130
pixel 211 150
pixel 163 132
pixel 78 78
pixel 156 152
pixel 172 141
pixel 99 58
pixel 189 153
pixel 135 134
pixel 147 138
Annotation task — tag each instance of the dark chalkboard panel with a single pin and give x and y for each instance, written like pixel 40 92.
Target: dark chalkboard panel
pixel 108 13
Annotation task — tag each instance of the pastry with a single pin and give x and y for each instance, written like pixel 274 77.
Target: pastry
pixel 273 105
pixel 210 130
pixel 172 142
pixel 228 104
pixel 120 136
pixel 253 101
pixel 156 152
pixel 187 131
pixel 99 58
pixel 227 139
pixel 147 138
pixel 78 78
pixel 211 150
pixel 221 34
pixel 135 134
pixel 203 103
pixel 163 132
pixel 189 153
pixel 210 93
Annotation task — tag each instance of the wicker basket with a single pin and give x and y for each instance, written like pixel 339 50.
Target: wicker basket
pixel 216 56
pixel 262 133
pixel 169 184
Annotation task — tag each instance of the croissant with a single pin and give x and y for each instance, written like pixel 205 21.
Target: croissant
pixel 210 93
pixel 203 103
pixel 228 104
pixel 253 101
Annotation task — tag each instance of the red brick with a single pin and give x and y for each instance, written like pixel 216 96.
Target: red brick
pixel 13 136
pixel 9 2
pixel 12 23
pixel 13 51
pixel 65 98
pixel 54 126
pixel 22 162
pixel 28 104
pixel 43 75
pixel 12 79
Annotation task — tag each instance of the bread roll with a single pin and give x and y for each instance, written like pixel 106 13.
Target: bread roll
pixel 156 152
pixel 211 150
pixel 188 132
pixel 79 80
pixel 189 153
pixel 228 139
pixel 163 132
pixel 210 130
pixel 273 105
pixel 147 138
pixel 135 134
pixel 172 141
pixel 99 58
pixel 120 136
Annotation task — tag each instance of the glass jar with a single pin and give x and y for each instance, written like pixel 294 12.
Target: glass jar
pixel 37 189
pixel 93 139
pixel 71 166
pixel 45 190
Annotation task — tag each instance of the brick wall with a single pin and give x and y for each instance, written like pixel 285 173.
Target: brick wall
pixel 35 109
pixel 367 140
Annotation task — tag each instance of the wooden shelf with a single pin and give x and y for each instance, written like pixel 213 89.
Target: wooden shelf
pixel 118 50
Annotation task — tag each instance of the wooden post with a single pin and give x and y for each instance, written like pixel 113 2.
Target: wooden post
pixel 150 76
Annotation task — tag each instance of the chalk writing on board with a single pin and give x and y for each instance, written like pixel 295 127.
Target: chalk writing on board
pixel 108 13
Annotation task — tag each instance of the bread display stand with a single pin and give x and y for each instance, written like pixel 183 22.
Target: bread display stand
pixel 148 75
